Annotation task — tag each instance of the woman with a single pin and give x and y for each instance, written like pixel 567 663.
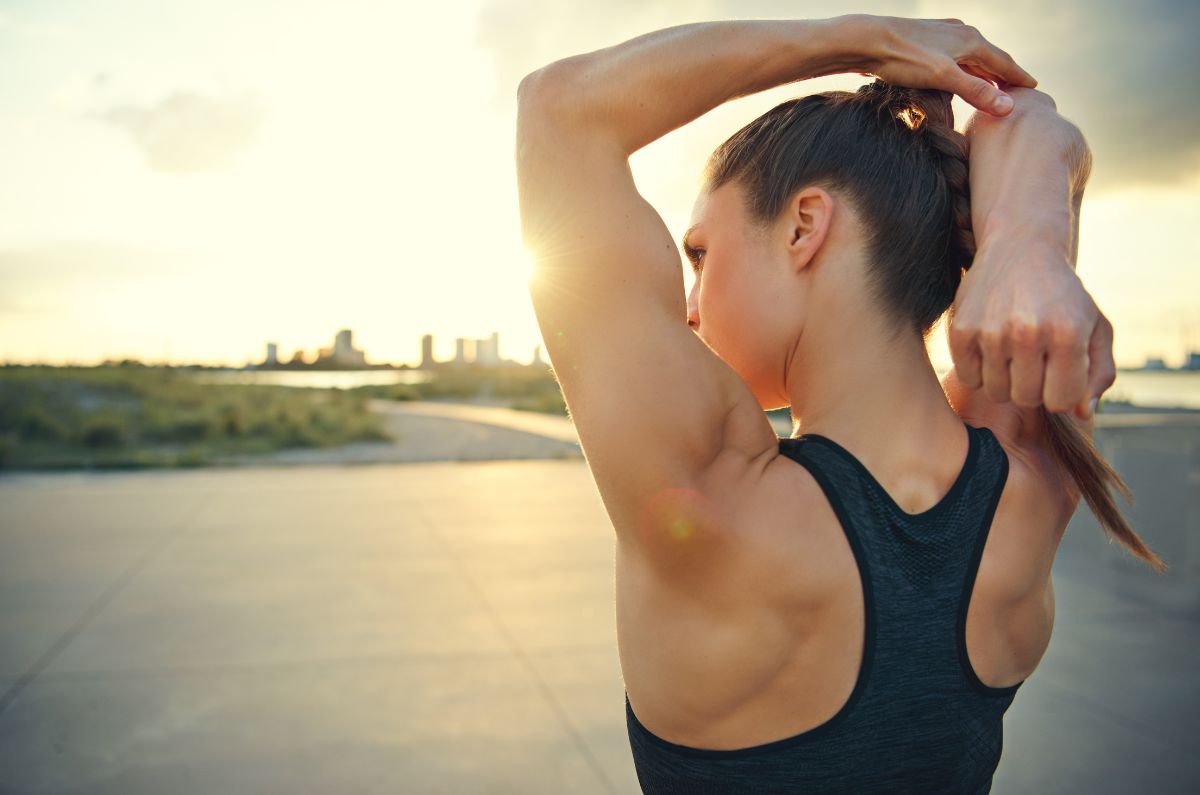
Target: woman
pixel 793 613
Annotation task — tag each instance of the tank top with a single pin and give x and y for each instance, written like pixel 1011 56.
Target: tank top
pixel 918 720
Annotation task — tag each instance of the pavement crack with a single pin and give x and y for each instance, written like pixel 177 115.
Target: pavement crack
pixel 99 603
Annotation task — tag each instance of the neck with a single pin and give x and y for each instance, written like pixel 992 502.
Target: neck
pixel 856 387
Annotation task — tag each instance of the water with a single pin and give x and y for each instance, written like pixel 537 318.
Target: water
pixel 316 379
pixel 1141 387
pixel 1151 388
pixel 1156 388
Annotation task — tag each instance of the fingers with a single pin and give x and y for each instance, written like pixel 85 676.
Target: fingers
pixel 1066 373
pixel 1001 64
pixel 1102 370
pixel 979 92
pixel 995 61
pixel 1027 370
pixel 968 360
pixel 997 383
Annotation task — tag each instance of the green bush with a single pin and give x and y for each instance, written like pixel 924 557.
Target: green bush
pixel 104 431
pixel 135 416
pixel 8 443
pixel 37 424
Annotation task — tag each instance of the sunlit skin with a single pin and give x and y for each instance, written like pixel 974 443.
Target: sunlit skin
pixel 735 590
pixel 787 307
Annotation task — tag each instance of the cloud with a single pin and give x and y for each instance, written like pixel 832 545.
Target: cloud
pixel 189 132
pixel 1124 73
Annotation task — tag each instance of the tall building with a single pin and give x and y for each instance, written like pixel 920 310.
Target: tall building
pixel 342 353
pixel 487 350
pixel 464 350
pixel 427 352
pixel 272 359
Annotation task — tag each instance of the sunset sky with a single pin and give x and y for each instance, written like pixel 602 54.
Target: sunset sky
pixel 189 180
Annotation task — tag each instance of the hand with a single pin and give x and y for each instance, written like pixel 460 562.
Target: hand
pixel 944 54
pixel 1027 331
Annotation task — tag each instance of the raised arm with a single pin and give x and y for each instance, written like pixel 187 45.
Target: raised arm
pixel 1023 328
pixel 669 429
pixel 643 88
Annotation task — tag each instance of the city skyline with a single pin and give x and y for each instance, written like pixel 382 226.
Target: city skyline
pixel 179 190
pixel 343 354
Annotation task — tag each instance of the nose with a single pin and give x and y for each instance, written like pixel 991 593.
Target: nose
pixel 693 312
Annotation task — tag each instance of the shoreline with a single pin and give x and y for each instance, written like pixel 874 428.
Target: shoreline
pixel 488 429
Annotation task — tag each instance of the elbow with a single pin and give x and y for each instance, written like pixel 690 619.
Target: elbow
pixel 530 91
pixel 1026 102
pixel 1024 97
pixel 548 92
pixel 1081 162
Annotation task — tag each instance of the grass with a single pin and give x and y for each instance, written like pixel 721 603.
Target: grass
pixel 525 388
pixel 135 416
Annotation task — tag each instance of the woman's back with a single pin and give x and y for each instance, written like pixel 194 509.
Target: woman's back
pixel 756 619
pixel 794 637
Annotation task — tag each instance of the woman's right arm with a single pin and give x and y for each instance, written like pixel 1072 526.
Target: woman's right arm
pixel 1021 300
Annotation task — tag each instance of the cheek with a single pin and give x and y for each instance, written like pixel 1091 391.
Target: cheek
pixel 750 322
pixel 729 298
pixel 728 308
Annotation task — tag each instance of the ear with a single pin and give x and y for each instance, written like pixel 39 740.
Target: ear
pixel 806 221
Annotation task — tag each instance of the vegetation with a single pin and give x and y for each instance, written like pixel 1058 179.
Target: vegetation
pixel 524 388
pixel 131 416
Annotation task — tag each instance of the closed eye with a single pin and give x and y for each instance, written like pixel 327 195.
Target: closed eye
pixel 694 256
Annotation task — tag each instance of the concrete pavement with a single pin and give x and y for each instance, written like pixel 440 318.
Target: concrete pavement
pixel 449 628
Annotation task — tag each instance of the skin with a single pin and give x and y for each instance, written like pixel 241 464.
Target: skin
pixel 724 544
pixel 787 307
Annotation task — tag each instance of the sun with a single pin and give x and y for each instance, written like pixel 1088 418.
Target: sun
pixel 527 266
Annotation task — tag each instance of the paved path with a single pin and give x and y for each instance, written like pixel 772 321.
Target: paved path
pixel 434 628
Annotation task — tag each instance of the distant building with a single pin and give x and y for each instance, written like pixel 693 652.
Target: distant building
pixel 427 352
pixel 537 358
pixel 1193 361
pixel 464 351
pixel 272 359
pixel 342 354
pixel 1154 363
pixel 487 350
pixel 344 351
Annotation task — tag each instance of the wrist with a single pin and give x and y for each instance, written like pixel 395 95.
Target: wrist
pixel 853 43
pixel 1045 237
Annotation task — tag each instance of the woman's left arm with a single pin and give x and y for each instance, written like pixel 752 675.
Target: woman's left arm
pixel 646 87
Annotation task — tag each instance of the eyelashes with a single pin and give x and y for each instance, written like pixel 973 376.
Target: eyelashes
pixel 694 255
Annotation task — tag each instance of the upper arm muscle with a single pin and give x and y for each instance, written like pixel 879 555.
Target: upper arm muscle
pixel 651 402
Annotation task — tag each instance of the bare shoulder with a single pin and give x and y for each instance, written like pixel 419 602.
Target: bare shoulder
pixel 1022 433
pixel 1039 497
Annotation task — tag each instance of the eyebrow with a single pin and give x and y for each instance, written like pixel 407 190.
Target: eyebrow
pixel 688 234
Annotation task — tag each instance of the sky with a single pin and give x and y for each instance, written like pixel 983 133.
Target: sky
pixel 186 181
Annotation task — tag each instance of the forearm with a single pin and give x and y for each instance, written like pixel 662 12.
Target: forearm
pixel 646 87
pixel 1027 175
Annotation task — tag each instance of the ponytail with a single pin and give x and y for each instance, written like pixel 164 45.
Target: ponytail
pixel 894 152
pixel 1077 455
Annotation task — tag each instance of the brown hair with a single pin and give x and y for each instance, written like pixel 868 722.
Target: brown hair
pixel 894 153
